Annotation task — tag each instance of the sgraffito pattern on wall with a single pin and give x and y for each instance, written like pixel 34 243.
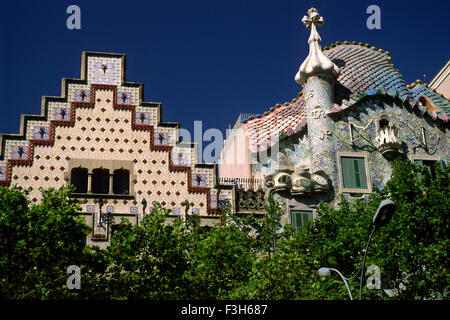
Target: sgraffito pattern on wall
pixel 102 117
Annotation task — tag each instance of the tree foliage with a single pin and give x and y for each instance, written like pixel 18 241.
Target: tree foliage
pixel 244 258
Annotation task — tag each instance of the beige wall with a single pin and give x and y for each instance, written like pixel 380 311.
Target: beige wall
pixel 235 159
pixel 441 82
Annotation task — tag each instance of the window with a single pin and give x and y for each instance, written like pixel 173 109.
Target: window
pixel 300 218
pixel 108 178
pixel 100 181
pixel 121 181
pixel 79 179
pixel 354 172
pixel 429 162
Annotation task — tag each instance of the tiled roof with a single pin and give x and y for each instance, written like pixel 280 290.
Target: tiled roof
pixel 365 71
pixel 289 118
pixel 441 105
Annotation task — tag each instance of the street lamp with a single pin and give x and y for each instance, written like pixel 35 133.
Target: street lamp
pixel 186 210
pixel 327 271
pixel 381 218
pixel 144 206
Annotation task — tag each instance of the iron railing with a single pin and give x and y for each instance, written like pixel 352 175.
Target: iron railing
pixel 244 183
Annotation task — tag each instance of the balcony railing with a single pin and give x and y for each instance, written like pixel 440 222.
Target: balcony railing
pixel 244 183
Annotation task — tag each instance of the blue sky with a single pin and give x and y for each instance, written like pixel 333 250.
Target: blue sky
pixel 204 60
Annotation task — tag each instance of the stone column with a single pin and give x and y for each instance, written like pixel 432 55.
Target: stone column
pixel 317 75
pixel 89 186
pixel 319 94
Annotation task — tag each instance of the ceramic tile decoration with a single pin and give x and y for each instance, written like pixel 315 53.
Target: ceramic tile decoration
pixel 104 70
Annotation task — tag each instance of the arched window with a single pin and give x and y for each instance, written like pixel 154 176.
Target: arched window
pixel 100 181
pixel 79 179
pixel 121 181
pixel 383 122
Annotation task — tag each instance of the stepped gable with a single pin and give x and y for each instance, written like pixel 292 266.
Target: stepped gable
pixel 101 116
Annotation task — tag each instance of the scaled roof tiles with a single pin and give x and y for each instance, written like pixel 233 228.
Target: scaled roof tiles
pixel 365 71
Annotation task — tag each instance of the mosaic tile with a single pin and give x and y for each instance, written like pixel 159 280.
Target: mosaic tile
pixel 202 177
pixel 74 93
pixel 104 70
pixel 133 209
pixel 182 156
pixel 2 172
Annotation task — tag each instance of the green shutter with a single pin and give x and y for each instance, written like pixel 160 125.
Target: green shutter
pixel 360 173
pixel 300 218
pixel 419 174
pixel 353 173
pixel 347 173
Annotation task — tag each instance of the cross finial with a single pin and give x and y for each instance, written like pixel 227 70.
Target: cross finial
pixel 313 17
pixel 316 62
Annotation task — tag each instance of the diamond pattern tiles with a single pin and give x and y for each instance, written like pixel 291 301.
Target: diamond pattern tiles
pixel 102 118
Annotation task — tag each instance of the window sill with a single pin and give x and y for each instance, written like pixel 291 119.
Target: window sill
pixel 102 196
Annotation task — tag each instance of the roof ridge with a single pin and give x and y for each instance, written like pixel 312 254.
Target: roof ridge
pixel 272 109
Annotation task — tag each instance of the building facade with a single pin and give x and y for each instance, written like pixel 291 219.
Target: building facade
pixel 354 115
pixel 114 148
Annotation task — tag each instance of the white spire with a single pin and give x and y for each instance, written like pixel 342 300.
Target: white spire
pixel 316 62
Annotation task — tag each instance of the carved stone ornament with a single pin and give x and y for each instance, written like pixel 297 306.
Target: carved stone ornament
pixel 386 140
pixel 297 182
pixel 316 62
pixel 250 200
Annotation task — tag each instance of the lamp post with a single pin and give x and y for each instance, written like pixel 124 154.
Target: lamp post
pixel 327 272
pixel 144 206
pixel 381 218
pixel 186 210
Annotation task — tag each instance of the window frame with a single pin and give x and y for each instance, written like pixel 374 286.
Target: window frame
pixel 295 211
pixel 111 165
pixel 363 155
pixel 426 157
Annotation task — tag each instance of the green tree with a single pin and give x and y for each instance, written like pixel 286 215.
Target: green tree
pixel 37 244
pixel 145 261
pixel 411 251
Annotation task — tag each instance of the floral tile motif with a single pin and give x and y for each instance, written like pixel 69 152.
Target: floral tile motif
pixel 124 98
pixel 133 209
pixel 143 118
pixel 41 133
pixel 62 114
pixel 198 180
pixel 104 70
pixel 3 173
pixel 82 95
pixel 161 138
pixel 19 152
